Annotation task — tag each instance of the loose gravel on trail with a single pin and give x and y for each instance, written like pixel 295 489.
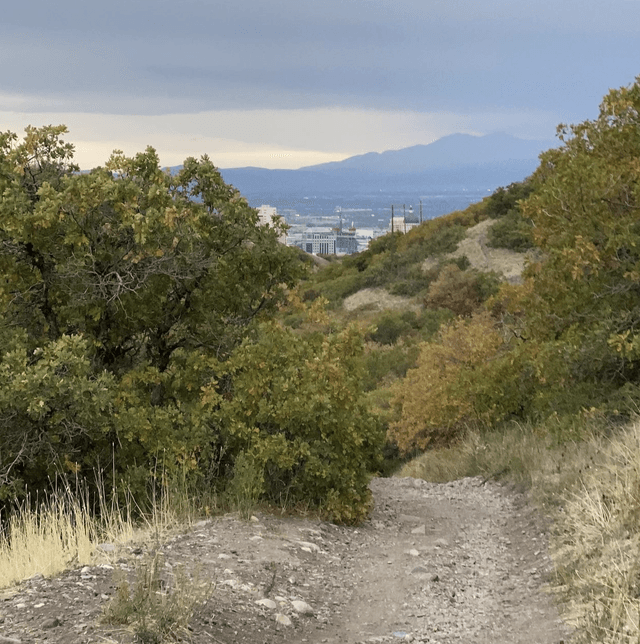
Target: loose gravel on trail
pixel 462 562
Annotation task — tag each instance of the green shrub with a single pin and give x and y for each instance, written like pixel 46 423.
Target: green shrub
pixel 294 415
pixel 505 200
pixel 386 363
pixel 462 292
pixel 465 377
pixel 512 231
pixel 389 327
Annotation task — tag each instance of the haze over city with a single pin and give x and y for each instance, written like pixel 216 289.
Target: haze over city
pixel 285 84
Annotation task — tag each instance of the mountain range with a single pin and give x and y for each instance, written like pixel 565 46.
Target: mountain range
pixel 454 161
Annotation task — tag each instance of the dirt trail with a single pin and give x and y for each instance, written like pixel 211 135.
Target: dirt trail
pixel 483 257
pixel 459 562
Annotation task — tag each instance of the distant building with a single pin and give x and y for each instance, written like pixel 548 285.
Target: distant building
pixel 318 243
pixel 267 216
pixel 346 242
pixel 405 222
pixel 337 241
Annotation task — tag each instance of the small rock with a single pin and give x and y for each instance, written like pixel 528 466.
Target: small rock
pixel 106 547
pixel 302 607
pixel 419 530
pixel 419 570
pixel 414 553
pixel 254 519
pixel 435 578
pixel 267 603
pixel 441 543
pixel 283 620
pixel 224 556
pixel 52 622
pixel 308 546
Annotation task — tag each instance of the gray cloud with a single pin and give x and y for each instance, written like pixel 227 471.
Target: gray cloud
pixel 159 57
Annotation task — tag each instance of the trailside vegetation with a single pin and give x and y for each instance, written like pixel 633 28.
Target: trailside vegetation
pixel 134 309
pixel 569 332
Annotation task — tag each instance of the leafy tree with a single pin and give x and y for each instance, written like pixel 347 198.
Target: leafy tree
pixel 505 201
pixel 461 292
pixel 122 290
pixel 584 298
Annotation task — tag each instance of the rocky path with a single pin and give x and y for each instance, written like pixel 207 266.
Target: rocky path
pixel 454 563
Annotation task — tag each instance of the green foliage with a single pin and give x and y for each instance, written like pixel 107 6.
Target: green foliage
pixel 295 412
pixel 54 408
pixel 583 297
pixel 512 231
pixel 387 363
pixel 391 324
pixel 461 292
pixel 504 201
pixel 347 283
pixel 123 289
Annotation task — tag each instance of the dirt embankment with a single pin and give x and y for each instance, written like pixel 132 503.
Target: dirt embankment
pixel 484 258
pixel 458 562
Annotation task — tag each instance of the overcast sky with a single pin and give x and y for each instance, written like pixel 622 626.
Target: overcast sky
pixel 287 83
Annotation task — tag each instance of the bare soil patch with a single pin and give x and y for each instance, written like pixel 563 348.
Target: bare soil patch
pixel 377 299
pixel 457 562
pixel 484 258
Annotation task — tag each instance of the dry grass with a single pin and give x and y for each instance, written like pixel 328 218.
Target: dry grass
pixel 55 535
pixel 598 544
pixel 158 603
pixel 65 530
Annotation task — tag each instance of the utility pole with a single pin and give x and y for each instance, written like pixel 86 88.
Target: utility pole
pixel 420 210
pixel 391 217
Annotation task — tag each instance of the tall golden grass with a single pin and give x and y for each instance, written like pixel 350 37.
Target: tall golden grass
pixel 65 529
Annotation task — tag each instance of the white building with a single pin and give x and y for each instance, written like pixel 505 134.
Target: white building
pixel 405 222
pixel 268 216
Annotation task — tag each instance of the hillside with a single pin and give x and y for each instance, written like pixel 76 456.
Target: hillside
pixel 502 261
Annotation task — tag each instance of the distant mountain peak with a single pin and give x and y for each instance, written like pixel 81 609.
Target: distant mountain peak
pixel 453 150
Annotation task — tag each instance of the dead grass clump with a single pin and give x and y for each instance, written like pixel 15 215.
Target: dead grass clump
pixel 598 544
pixel 157 603
pixel 60 533
pixel 65 530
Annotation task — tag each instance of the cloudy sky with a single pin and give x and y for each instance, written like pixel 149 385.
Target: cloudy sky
pixel 288 83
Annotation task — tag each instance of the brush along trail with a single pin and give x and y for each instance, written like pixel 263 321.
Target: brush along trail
pixel 459 562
